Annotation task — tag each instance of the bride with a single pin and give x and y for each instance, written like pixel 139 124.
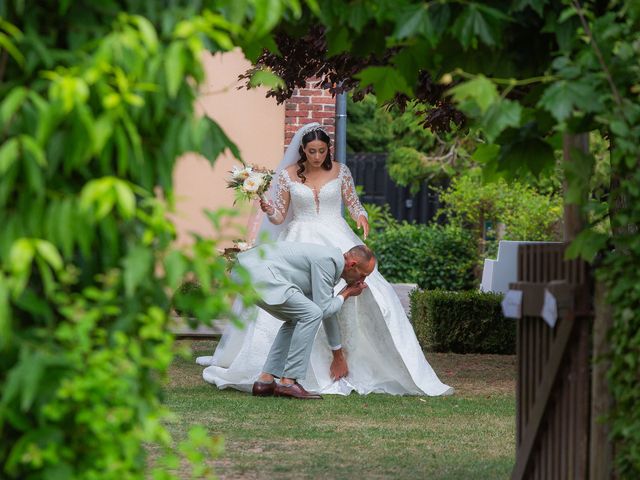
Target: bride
pixel 374 349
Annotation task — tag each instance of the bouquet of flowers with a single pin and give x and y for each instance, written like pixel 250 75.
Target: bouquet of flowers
pixel 250 182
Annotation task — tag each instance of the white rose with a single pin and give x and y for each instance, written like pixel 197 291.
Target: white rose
pixel 252 184
pixel 241 173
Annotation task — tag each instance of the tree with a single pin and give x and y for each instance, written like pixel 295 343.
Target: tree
pixel 528 76
pixel 97 104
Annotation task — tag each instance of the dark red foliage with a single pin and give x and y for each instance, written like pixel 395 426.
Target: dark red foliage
pixel 303 58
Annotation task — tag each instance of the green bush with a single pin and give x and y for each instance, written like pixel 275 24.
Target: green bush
pixel 97 105
pixel 524 213
pixel 433 256
pixel 461 322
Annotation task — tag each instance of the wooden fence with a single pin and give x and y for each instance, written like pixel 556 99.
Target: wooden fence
pixel 370 172
pixel 553 387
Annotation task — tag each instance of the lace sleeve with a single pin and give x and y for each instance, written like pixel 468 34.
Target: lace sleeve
pixel 349 194
pixel 281 197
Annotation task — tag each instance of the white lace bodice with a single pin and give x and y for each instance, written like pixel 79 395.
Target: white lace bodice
pixel 307 204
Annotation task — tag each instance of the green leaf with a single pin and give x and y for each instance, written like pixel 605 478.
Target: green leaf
pixel 126 200
pixel 563 96
pixel 32 372
pixel 485 153
pixel 8 154
pixel 137 266
pixel 216 141
pixel 12 103
pixel 528 154
pixel 414 20
pixel 566 14
pixel 266 16
pixel 9 46
pixel 49 117
pixel 11 29
pixel 147 32
pixel 586 245
pixel 35 176
pixel 338 41
pixel 175 266
pixel 50 254
pixel 222 39
pixel 66 227
pixel 480 89
pixel 21 255
pixel 500 115
pixel 5 313
pixel 99 193
pixel 470 25
pixel 175 67
pixel 111 100
pixel 266 78
pixel 32 147
pixel 103 129
pixel 409 61
pixel 386 81
pixel 536 5
pixel 359 15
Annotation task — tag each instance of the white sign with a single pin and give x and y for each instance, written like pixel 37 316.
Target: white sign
pixel 549 309
pixel 512 304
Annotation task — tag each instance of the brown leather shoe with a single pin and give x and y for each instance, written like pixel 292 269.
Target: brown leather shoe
pixel 262 389
pixel 295 391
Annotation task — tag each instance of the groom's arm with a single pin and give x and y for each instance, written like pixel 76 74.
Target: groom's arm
pixel 332 329
pixel 322 278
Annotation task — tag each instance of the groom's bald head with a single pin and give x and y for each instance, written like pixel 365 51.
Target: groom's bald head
pixel 362 254
pixel 359 263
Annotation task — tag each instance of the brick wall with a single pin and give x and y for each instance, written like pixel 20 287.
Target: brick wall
pixel 308 105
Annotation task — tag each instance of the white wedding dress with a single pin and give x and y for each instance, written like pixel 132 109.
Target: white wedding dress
pixel 382 352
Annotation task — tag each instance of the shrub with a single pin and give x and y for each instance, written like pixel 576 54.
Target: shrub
pixel 525 213
pixel 433 256
pixel 97 104
pixel 461 322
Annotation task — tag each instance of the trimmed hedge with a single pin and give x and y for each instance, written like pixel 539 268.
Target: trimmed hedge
pixel 461 322
pixel 433 256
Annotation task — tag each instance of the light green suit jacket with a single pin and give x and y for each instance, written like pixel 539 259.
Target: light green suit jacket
pixel 280 269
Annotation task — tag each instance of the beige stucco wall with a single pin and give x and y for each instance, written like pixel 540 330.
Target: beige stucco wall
pixel 253 122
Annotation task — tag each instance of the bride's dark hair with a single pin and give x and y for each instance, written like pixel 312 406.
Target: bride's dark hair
pixel 317 134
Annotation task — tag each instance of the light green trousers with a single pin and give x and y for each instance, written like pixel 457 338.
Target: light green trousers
pixel 291 350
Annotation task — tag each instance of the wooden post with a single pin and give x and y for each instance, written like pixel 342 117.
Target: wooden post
pixel 573 219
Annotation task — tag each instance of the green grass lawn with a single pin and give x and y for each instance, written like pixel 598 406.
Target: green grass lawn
pixel 467 436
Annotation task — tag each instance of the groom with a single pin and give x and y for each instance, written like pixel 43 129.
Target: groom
pixel 295 282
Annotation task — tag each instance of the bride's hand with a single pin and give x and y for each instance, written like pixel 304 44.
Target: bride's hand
pixel 267 207
pixel 363 224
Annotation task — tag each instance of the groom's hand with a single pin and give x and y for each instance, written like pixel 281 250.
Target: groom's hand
pixel 356 289
pixel 339 368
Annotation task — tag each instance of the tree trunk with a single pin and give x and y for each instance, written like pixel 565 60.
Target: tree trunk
pixel 601 451
pixel 573 219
